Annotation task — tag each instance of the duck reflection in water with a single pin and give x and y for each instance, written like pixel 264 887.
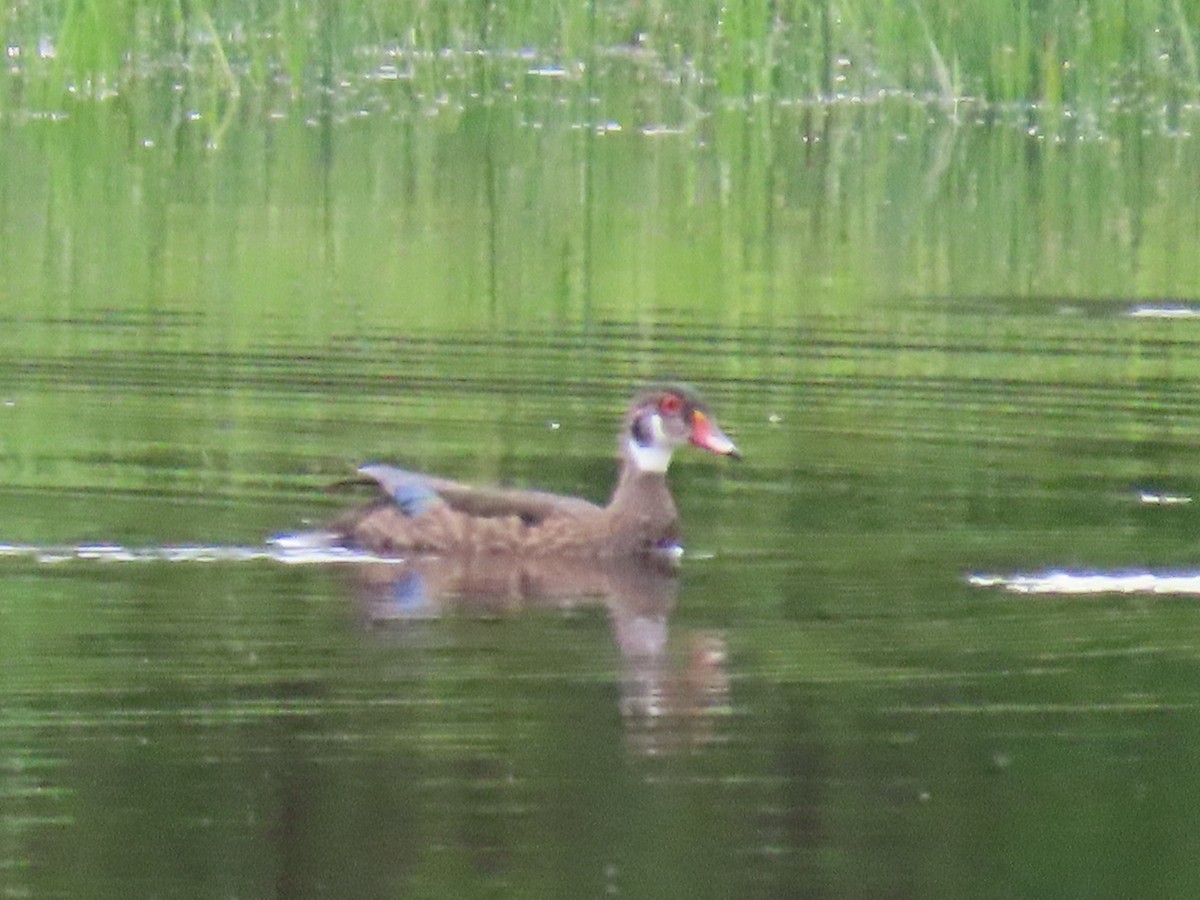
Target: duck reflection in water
pixel 671 692
pixel 489 550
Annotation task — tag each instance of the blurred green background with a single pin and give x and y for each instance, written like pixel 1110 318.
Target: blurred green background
pixel 934 266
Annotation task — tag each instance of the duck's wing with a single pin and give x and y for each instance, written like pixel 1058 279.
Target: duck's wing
pixel 415 492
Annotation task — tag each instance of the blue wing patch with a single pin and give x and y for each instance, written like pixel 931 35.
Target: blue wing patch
pixel 414 499
pixel 410 490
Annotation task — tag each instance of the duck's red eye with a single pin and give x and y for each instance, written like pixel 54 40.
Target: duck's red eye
pixel 670 404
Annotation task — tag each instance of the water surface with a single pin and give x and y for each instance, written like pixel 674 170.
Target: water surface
pixel 950 344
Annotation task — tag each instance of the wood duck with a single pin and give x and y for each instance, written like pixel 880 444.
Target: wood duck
pixel 424 514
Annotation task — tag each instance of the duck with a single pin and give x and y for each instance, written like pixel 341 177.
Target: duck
pixel 415 513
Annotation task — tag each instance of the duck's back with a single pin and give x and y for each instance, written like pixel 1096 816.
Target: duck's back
pixel 385 528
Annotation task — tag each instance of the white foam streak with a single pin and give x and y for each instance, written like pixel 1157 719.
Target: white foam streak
pixel 1151 498
pixel 1066 583
pixel 285 549
pixel 1164 312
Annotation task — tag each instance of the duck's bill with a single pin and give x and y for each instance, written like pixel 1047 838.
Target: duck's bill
pixel 707 436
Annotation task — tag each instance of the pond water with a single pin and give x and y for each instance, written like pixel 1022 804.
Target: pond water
pixel 959 349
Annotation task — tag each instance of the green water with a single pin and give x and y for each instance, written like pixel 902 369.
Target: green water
pixel 917 321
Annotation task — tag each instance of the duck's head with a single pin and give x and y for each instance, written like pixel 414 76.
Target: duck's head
pixel 664 417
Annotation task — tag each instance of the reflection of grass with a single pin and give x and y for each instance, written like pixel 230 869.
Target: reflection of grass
pixel 1059 52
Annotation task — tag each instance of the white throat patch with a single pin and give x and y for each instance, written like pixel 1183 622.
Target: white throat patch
pixel 656 456
pixel 648 459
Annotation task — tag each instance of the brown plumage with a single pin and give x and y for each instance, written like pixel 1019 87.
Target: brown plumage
pixel 423 514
